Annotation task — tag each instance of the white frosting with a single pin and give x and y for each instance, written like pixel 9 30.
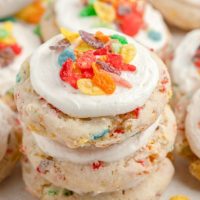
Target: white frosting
pixel 110 154
pixel 10 7
pixel 192 124
pixel 184 72
pixel 6 124
pixel 28 41
pixel 67 15
pixel 46 81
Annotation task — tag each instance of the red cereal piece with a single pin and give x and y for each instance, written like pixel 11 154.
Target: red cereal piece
pixel 87 73
pixel 115 60
pixel 16 49
pixel 128 67
pixel 85 61
pixel 67 74
pixel 131 22
pixel 102 51
pixel 97 165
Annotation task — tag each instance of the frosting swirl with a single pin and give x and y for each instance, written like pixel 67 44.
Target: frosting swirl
pixel 46 82
pixel 185 74
pixel 110 154
pixel 192 124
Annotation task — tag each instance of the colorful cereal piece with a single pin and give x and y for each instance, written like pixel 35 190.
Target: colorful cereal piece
pixel 86 86
pixel 116 46
pixel 91 40
pixel 88 11
pixel 85 61
pixel 107 67
pixel 66 54
pixel 3 33
pixel 154 35
pixel 100 36
pixel 131 24
pixel 83 47
pixel 128 52
pixel 104 81
pixel 68 75
pixel 120 81
pixel 120 38
pixel 32 13
pixel 97 165
pixel 70 36
pixel 105 11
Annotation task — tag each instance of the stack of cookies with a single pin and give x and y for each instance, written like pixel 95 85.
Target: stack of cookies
pixel 97 124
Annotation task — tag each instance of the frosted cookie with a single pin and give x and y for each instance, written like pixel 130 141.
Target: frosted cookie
pixel 134 18
pixel 10 134
pixel 103 100
pixel 192 126
pixel 14 48
pixel 179 12
pixel 115 168
pixel 185 70
pixel 151 189
pixel 10 7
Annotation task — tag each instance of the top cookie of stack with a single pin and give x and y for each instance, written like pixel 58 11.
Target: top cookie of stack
pixel 108 89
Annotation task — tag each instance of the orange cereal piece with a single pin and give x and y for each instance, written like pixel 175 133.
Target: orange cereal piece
pixel 104 38
pixel 104 81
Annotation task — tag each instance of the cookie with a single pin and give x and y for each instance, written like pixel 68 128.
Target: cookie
pixel 99 176
pixel 11 7
pixel 150 189
pixel 178 12
pixel 15 48
pixel 10 133
pixel 148 28
pixel 79 120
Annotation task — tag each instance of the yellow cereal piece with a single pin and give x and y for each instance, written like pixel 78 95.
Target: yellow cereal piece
pixel 105 11
pixel 128 52
pixel 83 47
pixel 179 197
pixel 86 86
pixel 69 35
pixel 8 26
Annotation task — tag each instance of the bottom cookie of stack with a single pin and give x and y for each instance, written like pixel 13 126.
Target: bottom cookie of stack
pixel 149 189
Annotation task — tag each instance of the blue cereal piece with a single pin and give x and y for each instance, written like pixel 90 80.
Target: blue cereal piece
pixel 100 135
pixel 154 35
pixel 66 54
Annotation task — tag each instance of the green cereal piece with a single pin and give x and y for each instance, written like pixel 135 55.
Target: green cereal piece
pixel 67 192
pixel 3 33
pixel 116 47
pixel 53 192
pixel 88 11
pixel 12 19
pixel 37 30
pixel 120 38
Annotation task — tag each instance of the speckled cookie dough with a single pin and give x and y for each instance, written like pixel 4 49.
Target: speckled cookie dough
pixel 151 189
pixel 43 118
pixel 10 132
pixel 99 176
